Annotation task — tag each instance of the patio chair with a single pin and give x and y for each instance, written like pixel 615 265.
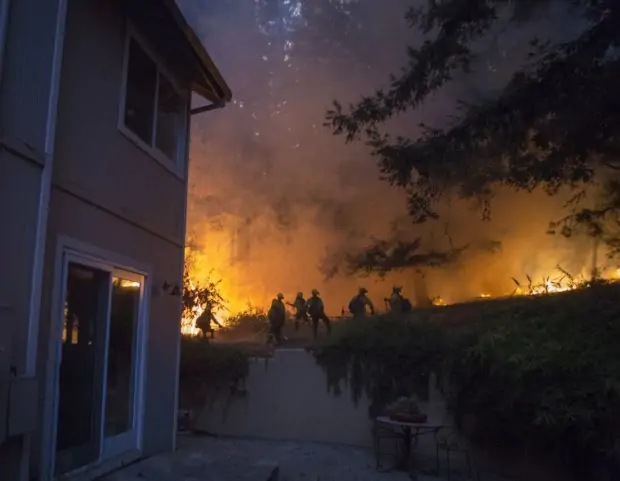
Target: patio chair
pixel 381 433
pixel 450 441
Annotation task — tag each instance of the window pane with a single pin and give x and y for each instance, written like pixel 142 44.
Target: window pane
pixel 121 356
pixel 170 119
pixel 140 93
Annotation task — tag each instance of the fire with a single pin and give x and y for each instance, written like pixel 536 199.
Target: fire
pixel 216 262
pixel 188 323
pixel 547 285
pixel 438 301
pixel 221 257
pixel 250 278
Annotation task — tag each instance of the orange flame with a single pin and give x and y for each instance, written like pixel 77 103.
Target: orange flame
pixel 221 257
pixel 188 323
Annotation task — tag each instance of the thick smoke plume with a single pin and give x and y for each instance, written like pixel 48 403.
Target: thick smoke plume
pixel 276 201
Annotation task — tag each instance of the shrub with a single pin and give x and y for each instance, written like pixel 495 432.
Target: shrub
pixel 252 322
pixel 540 373
pixel 547 376
pixel 383 357
pixel 207 369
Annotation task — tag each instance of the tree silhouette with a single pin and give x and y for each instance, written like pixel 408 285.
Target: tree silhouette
pixel 198 295
pixel 554 124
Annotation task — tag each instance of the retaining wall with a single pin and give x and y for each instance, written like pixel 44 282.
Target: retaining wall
pixel 287 399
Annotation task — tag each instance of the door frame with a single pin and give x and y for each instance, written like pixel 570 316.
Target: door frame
pixel 69 249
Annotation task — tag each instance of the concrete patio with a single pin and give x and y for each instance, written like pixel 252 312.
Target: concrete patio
pixel 206 458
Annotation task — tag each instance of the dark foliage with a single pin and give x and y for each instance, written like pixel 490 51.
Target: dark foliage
pixel 538 374
pixel 215 364
pixel 383 357
pixel 545 377
pixel 554 124
pixel 250 323
pixel 207 369
pixel 386 256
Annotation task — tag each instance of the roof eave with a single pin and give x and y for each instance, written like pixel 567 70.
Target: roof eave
pixel 212 85
pixel 207 92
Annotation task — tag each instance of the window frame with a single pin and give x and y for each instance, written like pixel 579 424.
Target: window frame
pixel 178 167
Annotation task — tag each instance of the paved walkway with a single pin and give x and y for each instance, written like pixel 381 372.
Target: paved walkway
pixel 300 461
pixel 226 459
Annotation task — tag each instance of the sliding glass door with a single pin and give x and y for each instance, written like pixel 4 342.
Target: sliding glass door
pixel 120 427
pixel 99 375
pixel 78 437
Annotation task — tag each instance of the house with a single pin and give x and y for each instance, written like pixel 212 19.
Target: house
pixel 95 103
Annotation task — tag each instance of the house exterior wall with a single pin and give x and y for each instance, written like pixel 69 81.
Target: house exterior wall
pixel 105 231
pixel 93 158
pixel 26 100
pixel 26 91
pixel 67 172
pixel 108 193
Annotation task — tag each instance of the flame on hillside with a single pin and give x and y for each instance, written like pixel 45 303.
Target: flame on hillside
pixel 562 282
pixel 550 285
pixel 253 261
pixel 438 301
pixel 188 322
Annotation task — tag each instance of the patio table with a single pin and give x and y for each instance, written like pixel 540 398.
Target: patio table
pixel 410 433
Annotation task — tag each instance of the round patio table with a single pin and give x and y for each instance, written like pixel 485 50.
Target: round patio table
pixel 410 433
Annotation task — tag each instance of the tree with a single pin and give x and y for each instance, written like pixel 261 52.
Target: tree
pixel 385 256
pixel 197 296
pixel 554 124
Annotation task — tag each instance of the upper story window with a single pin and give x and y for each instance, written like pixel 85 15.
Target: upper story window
pixel 153 112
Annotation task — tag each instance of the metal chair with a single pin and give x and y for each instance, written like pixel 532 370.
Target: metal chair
pixel 451 442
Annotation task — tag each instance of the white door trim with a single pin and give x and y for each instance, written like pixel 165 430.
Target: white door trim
pixel 72 249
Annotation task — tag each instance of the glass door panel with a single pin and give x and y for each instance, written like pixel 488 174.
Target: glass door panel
pixel 122 356
pixel 80 393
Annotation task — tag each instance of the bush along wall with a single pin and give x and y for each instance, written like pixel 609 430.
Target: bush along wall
pixel 383 358
pixel 250 323
pixel 208 370
pixel 546 377
pixel 536 375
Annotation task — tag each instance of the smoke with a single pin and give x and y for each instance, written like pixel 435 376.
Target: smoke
pixel 276 201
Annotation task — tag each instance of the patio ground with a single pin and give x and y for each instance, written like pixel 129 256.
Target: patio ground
pixel 205 458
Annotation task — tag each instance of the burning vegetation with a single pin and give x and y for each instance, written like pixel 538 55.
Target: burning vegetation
pixel 210 288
